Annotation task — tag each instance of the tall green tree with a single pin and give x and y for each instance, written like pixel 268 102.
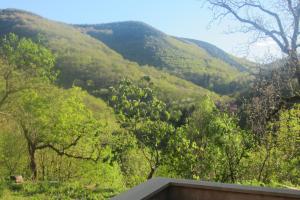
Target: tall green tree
pixel 48 117
pixel 144 115
pixel 57 120
pixel 277 158
pixel 23 65
pixel 154 138
pixel 219 146
pixel 136 102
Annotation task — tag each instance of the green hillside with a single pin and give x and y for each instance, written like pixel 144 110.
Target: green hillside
pixel 195 61
pixel 90 111
pixel 218 53
pixel 85 61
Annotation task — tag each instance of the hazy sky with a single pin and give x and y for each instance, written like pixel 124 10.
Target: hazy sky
pixel 184 18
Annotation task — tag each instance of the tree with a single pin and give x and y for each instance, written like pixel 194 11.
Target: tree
pixel 264 102
pixel 12 160
pixel 137 102
pixel 287 145
pixel 278 20
pixel 57 120
pixel 278 88
pixel 144 115
pixel 154 138
pixel 276 159
pixel 23 65
pixel 219 146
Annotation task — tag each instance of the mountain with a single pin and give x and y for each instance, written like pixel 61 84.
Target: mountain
pixel 219 54
pixel 199 62
pixel 88 62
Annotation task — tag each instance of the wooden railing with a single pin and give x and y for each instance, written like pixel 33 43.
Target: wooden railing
pixel 175 189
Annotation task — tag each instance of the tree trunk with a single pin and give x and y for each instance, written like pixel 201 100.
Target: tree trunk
pixel 294 62
pixel 298 72
pixel 33 167
pixel 151 173
pixel 264 164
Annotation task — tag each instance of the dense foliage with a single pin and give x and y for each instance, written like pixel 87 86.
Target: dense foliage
pixel 68 144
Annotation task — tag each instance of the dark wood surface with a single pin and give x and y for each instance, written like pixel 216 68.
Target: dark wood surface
pixel 181 189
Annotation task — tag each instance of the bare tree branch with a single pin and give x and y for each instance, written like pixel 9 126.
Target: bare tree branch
pixel 296 14
pixel 253 14
pixel 270 33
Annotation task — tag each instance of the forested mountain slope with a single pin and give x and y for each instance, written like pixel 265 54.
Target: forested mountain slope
pixel 218 53
pixel 196 61
pixel 87 62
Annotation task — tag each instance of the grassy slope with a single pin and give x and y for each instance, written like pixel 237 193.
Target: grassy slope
pixel 86 61
pixel 186 59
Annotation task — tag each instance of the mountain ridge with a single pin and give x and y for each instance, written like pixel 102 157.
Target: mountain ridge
pixel 86 61
pixel 205 65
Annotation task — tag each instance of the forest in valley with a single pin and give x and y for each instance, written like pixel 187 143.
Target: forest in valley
pixel 87 114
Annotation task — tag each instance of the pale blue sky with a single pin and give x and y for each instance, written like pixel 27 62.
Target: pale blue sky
pixel 184 18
